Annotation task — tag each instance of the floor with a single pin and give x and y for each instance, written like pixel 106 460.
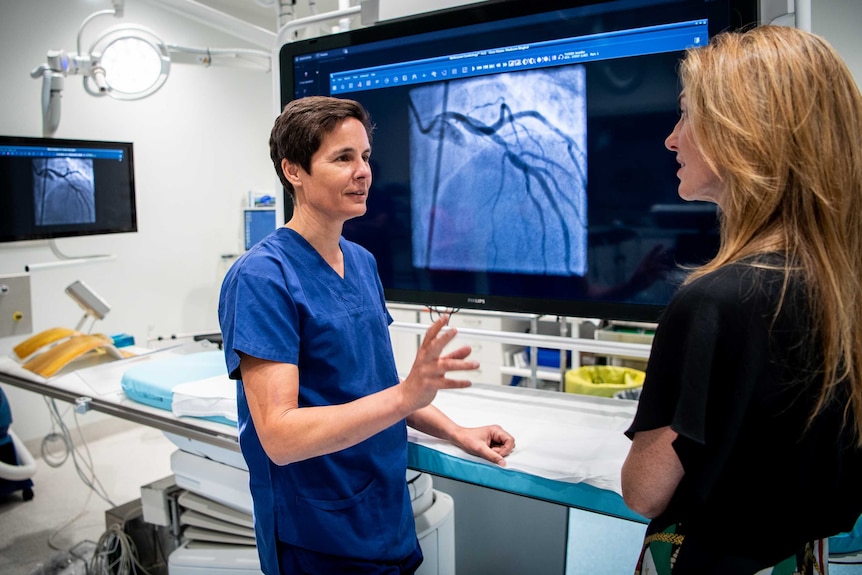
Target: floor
pixel 64 512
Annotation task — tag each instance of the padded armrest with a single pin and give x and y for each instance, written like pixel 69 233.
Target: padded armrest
pixel 53 360
pixel 41 340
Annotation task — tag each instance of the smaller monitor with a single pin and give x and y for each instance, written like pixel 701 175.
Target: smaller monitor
pixel 54 188
pixel 259 223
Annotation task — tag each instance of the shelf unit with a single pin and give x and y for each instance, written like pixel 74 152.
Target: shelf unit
pixel 510 333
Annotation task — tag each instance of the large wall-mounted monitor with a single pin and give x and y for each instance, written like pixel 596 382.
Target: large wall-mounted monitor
pixel 518 159
pixel 54 188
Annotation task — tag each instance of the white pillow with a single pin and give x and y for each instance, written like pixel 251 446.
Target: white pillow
pixel 214 396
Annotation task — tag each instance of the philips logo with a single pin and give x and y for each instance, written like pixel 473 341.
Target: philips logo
pixel 476 300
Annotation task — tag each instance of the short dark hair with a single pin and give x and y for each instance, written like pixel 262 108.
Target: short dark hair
pixel 302 125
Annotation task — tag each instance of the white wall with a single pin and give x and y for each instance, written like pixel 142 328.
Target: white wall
pixel 838 21
pixel 200 145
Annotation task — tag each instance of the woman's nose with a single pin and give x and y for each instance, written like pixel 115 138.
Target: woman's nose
pixel 363 170
pixel 671 141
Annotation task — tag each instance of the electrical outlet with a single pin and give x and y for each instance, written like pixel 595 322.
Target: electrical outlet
pixel 16 312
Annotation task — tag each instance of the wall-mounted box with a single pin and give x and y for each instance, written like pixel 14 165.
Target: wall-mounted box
pixel 16 312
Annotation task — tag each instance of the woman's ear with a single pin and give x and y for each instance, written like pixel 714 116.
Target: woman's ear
pixel 290 171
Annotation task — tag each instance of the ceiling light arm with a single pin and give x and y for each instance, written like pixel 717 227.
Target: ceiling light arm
pixel 89 19
pixel 52 92
pixel 59 65
pixel 211 56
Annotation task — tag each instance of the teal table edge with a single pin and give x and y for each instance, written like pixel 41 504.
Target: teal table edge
pixel 577 495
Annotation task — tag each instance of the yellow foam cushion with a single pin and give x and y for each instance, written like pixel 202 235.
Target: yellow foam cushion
pixel 56 358
pixel 43 339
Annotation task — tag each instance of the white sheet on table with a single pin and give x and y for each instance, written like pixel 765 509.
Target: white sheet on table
pixel 574 441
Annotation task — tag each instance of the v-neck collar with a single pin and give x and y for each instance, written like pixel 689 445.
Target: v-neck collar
pixel 320 260
pixel 346 288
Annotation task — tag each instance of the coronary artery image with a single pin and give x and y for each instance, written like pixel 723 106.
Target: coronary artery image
pixel 63 191
pixel 506 190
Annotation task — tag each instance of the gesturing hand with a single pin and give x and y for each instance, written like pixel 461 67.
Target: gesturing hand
pixel 429 371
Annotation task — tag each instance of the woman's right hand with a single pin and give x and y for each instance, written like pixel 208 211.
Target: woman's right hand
pixel 430 368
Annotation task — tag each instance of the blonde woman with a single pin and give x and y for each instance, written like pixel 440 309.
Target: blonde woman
pixel 745 448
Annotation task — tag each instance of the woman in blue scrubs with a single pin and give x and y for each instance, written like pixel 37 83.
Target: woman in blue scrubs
pixel 322 413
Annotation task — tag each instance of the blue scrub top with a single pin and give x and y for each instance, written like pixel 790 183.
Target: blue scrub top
pixel 282 302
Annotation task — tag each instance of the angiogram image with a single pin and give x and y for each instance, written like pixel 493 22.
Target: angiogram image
pixel 499 173
pixel 64 191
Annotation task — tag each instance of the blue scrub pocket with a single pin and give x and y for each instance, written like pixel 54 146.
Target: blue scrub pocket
pixel 346 527
pixel 337 504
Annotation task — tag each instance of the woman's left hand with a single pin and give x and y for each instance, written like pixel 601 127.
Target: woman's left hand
pixel 490 442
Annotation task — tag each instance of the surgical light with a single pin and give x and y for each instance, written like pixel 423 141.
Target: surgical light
pixel 128 63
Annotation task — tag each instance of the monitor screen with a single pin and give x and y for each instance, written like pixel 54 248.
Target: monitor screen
pixel 53 188
pixel 518 158
pixel 259 223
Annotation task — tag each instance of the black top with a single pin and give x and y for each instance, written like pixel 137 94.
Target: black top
pixel 738 385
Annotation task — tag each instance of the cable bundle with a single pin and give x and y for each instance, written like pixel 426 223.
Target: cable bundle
pixel 116 554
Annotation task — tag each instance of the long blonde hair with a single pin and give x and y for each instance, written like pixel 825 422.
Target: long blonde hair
pixel 778 117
